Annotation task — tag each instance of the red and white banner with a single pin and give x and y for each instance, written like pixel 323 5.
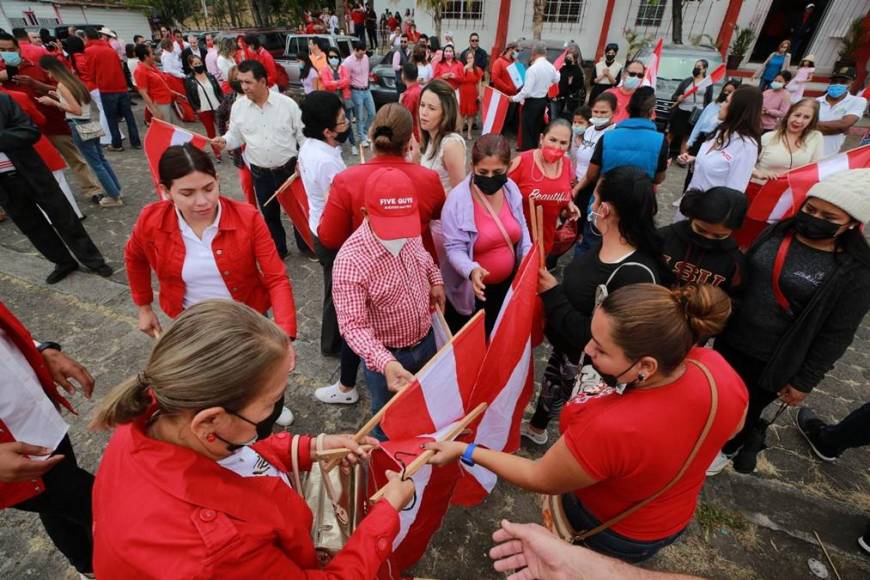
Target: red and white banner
pixel 711 79
pixel 553 92
pixel 160 137
pixel 780 198
pixel 443 388
pixel 652 67
pixel 505 380
pixel 495 108
pixel 294 199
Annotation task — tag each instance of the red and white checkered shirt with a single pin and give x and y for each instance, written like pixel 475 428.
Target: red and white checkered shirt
pixel 382 300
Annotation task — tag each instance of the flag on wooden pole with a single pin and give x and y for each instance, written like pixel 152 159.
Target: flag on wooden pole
pixel 495 108
pixel 652 67
pixel 293 198
pixel 160 137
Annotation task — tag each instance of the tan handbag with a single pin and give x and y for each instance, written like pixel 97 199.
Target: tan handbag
pixel 553 512
pixel 337 500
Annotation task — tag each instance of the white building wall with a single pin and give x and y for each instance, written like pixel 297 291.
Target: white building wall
pixel 12 10
pixel 125 23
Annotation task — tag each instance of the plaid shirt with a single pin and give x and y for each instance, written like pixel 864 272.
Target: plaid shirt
pixel 382 301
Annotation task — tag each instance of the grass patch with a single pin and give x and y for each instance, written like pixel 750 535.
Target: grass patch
pixel 712 518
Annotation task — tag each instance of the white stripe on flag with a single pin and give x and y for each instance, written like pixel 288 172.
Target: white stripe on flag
pixel 407 517
pixel 441 391
pixel 782 207
pixel 831 165
pixel 491 112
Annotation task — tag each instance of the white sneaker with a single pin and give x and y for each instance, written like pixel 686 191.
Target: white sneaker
pixel 533 436
pixel 333 395
pixel 286 417
pixel 366 143
pixel 720 462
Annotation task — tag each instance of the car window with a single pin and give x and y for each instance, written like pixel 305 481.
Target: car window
pixel 293 46
pixel 344 48
pixel 273 41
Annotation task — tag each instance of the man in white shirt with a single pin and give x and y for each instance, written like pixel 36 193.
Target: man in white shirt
pixel 170 58
pixel 540 76
pixel 270 125
pixel 838 110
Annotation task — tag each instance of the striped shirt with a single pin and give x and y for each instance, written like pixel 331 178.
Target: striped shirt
pixel 382 301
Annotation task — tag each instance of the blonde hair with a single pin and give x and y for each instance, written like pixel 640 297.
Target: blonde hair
pixel 216 354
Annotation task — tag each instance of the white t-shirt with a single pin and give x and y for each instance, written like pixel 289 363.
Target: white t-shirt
pixel 583 153
pixel 202 279
pixel 424 73
pixel 850 105
pixel 728 167
pixel 319 163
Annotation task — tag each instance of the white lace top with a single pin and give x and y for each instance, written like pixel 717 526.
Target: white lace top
pixel 436 162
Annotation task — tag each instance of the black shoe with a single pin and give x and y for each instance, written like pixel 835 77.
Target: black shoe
pixel 60 272
pixel 747 458
pixel 864 541
pixel 136 146
pixel 811 427
pixel 116 149
pixel 105 270
pixel 97 197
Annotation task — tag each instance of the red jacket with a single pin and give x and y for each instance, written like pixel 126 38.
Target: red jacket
pixel 500 78
pixel 106 67
pixel 45 148
pixel 341 86
pixel 268 63
pixel 243 249
pixel 164 511
pixel 55 121
pixel 341 215
pixel 83 67
pixel 14 493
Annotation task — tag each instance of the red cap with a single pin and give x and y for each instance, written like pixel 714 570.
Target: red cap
pixel 391 204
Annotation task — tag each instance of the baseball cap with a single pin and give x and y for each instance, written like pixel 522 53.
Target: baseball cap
pixel 391 205
pixel 844 72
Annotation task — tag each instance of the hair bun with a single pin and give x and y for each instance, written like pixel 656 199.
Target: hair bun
pixel 383 130
pixel 705 307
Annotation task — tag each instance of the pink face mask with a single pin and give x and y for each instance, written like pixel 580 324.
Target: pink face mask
pixel 551 154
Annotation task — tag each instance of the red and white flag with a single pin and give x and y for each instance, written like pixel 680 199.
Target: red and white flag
pixel 780 198
pixel 505 380
pixel 294 199
pixel 443 388
pixel 711 79
pixel 652 67
pixel 495 108
pixel 553 91
pixel 160 137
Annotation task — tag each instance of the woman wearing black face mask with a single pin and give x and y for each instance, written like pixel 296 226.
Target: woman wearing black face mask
pixel 204 95
pixel 687 109
pixel 572 84
pixel 701 250
pixel 649 445
pixel 485 235
pixel 807 290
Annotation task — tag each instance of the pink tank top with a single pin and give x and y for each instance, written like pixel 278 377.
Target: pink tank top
pixel 490 249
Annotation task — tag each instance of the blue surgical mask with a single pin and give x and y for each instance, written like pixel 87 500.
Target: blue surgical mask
pixel 333 61
pixel 631 83
pixel 837 91
pixel 11 58
pixel 577 129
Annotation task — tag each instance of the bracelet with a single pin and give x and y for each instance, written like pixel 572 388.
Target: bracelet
pixel 466 457
pixel 48 344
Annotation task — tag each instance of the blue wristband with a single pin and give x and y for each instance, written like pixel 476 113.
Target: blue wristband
pixel 466 457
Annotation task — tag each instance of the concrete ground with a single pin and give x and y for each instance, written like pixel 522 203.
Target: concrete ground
pixel 756 526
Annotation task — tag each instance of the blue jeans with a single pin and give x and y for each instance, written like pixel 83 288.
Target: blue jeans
pixel 93 154
pixel 412 358
pixel 116 106
pixel 363 100
pixel 609 542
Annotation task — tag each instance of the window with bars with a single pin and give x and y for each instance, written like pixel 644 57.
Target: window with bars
pixel 463 10
pixel 568 11
pixel 650 12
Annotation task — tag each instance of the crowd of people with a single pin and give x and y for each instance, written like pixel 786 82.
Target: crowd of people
pixel 193 477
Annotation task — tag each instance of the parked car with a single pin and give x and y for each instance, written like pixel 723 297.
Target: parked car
pixel 676 65
pixel 295 45
pixel 272 39
pixel 383 81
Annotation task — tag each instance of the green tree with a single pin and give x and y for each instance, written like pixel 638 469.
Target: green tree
pixel 539 7
pixel 435 8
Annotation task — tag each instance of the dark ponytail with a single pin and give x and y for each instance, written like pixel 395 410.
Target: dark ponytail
pixel 630 191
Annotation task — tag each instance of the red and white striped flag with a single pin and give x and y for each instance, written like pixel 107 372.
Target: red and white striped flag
pixel 780 198
pixel 652 67
pixel 553 91
pixel 162 135
pixel 711 79
pixel 505 380
pixel 443 387
pixel 495 108
pixel 294 200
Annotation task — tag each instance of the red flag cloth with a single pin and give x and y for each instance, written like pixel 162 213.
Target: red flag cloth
pixel 652 67
pixel 780 198
pixel 553 92
pixel 162 135
pixel 294 200
pixel 495 108
pixel 505 380
pixel 443 388
pixel 417 525
pixel 188 115
pixel 711 79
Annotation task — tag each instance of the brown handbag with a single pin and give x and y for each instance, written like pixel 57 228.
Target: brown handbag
pixel 553 512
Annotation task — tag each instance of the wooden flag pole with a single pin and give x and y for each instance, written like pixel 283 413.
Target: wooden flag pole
pixel 337 453
pixel 533 220
pixel 283 187
pixel 424 457
pixel 362 154
pixel 539 221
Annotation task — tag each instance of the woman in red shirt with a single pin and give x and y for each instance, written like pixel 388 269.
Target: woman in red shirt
pixel 544 174
pixel 185 490
pixel 448 68
pixel 646 430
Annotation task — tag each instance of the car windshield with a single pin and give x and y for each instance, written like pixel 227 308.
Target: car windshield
pixel 676 66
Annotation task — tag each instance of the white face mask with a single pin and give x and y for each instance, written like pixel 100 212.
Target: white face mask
pixel 393 246
pixel 776 85
pixel 599 121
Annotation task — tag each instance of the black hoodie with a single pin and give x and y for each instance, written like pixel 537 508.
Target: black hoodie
pixel 693 258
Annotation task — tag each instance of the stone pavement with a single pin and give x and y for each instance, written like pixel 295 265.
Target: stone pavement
pixel 758 526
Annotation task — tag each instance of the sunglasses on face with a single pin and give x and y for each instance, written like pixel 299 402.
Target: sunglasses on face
pixel 474 40
pixel 635 74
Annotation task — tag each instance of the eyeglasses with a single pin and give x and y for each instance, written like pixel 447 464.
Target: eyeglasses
pixel 635 75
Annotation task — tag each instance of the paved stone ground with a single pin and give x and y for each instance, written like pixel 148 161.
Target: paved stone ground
pixel 758 526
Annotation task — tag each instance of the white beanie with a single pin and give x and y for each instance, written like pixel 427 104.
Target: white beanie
pixel 848 190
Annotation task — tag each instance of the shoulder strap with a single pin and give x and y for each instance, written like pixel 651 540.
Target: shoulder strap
pixel 778 264
pixel 711 417
pixel 294 461
pixel 638 264
pixel 498 223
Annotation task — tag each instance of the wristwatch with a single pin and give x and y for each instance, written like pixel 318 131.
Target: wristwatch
pixel 466 457
pixel 48 344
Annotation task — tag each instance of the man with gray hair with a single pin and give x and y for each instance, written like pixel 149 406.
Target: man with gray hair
pixel 540 76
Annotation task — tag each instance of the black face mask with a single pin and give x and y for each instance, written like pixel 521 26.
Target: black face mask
pixel 609 59
pixel 490 184
pixel 710 244
pixel 264 428
pixel 814 228
pixel 612 381
pixel 199 69
pixel 237 87
pixel 696 71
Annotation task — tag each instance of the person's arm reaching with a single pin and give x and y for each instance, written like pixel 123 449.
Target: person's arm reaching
pixel 274 277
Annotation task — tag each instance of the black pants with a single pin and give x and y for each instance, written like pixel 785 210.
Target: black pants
pixel 749 368
pixel 495 295
pixel 853 431
pixel 22 202
pixel 266 183
pixel 117 107
pixel 359 30
pixel 373 36
pixel 533 122
pixel 560 374
pixel 596 90
pixel 65 508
